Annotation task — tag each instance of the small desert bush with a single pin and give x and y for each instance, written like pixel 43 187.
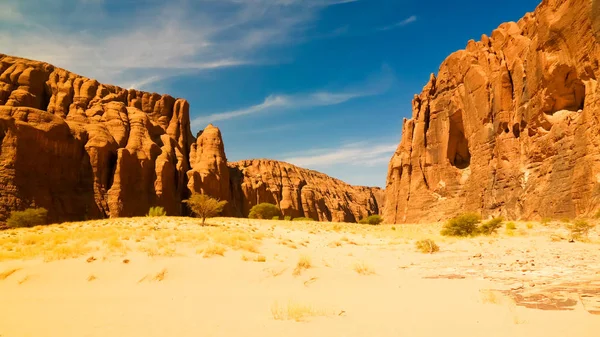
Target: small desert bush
pixel 371 220
pixel 287 218
pixel 427 246
pixel 529 225
pixel 276 218
pixel 264 211
pixel 545 221
pixel 491 226
pixel 462 225
pixel 565 220
pixel 303 219
pixel 511 226
pixel 204 206
pixel 580 229
pixel 28 218
pixel 156 211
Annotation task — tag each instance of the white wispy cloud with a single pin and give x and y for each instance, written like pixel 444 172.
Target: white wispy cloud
pixel 143 42
pixel 407 21
pixel 361 153
pixel 376 85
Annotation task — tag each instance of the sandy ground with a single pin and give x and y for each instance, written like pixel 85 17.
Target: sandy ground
pixel 166 277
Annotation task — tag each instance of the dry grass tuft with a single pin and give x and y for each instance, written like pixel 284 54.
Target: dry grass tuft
pixel 303 263
pixel 91 278
pixel 160 276
pixel 257 258
pixel 334 244
pixel 427 246
pixel 296 311
pixel 214 249
pixel 6 274
pixel 491 296
pixel 24 279
pixel 363 269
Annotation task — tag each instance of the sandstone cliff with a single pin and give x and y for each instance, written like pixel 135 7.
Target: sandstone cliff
pixel 509 126
pixel 83 149
pixel 86 150
pixel 300 192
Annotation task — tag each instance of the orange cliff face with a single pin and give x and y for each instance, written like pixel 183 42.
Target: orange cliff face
pixel 509 126
pixel 300 192
pixel 85 150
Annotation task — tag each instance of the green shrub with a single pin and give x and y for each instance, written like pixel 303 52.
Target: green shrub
pixel 511 226
pixel 303 219
pixel 276 217
pixel 580 229
pixel 264 211
pixel 287 218
pixel 427 246
pixel 491 226
pixel 27 218
pixel 462 225
pixel 374 219
pixel 204 206
pixel 156 211
pixel 371 220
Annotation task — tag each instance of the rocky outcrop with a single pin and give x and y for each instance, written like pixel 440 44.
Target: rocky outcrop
pixel 209 173
pixel 86 150
pixel 82 149
pixel 509 126
pixel 300 192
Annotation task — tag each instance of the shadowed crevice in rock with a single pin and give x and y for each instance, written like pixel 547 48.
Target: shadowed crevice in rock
pixel 458 146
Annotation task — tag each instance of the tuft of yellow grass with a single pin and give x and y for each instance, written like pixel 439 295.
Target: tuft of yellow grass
pixel 363 269
pixel 257 258
pixel 160 276
pixel 293 310
pixel 304 262
pixel 4 275
pixel 214 249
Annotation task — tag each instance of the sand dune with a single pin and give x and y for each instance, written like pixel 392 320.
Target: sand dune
pixel 166 277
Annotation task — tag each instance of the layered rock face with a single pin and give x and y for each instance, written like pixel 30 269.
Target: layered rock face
pixel 86 150
pixel 82 149
pixel 510 126
pixel 209 173
pixel 300 192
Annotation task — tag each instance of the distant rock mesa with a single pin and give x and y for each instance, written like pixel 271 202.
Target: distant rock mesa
pixel 509 126
pixel 86 150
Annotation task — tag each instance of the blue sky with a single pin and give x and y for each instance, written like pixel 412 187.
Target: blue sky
pixel 323 84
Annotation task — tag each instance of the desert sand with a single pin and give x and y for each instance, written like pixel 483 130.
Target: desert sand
pixel 172 277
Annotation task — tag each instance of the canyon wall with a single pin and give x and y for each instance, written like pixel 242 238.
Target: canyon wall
pixel 509 126
pixel 86 150
pixel 300 192
pixel 82 149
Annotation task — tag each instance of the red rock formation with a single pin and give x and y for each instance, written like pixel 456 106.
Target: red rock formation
pixel 509 126
pixel 209 172
pixel 299 192
pixel 82 149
